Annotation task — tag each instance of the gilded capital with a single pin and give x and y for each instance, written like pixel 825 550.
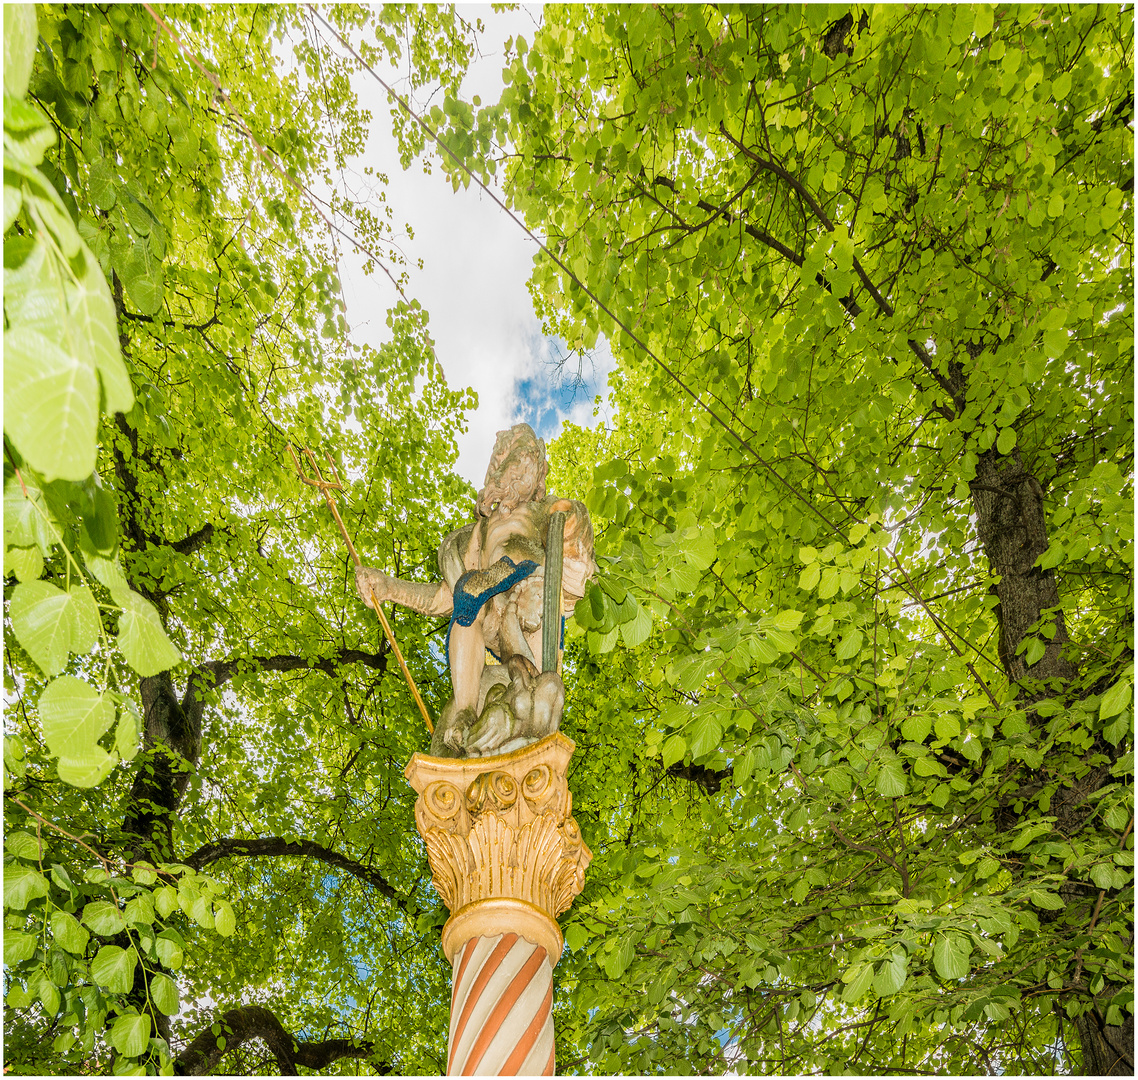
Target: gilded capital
pixel 504 850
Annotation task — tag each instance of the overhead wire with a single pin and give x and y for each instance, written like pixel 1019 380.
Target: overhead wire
pixel 648 351
pixel 600 304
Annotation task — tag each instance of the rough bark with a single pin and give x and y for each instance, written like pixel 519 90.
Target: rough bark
pixel 239 1026
pixel 1107 1050
pixel 171 748
pixel 236 847
pixel 1012 526
pixel 709 779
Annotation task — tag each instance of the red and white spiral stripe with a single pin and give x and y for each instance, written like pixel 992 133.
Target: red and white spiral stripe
pixel 501 1013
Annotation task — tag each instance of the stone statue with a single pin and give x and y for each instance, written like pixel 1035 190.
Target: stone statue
pixel 493 579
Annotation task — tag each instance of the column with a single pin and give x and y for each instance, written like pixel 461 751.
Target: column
pixel 507 858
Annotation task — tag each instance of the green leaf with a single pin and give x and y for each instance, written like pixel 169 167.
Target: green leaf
pixel 20 37
pixel 857 982
pixel 1006 440
pixel 891 974
pixel 1115 699
pixel 141 639
pixel 127 732
pixel 88 624
pixel 786 621
pixel 27 520
pixel 50 405
pixel 1048 901
pixel 165 900
pixel 849 646
pixel 947 726
pixel 104 918
pixel 673 750
pixel 24 845
pixel 636 631
pixel 102 185
pixel 891 780
pixel 107 572
pixel 25 562
pixel 704 735
pixel 15 759
pixel 68 933
pixel 74 717
pixel 164 994
pixel 94 333
pixel 13 200
pixel 113 967
pixel 950 955
pixel 201 911
pixel 916 728
pixel 1034 651
pixel 19 947
pixel 89 770
pixel 22 885
pixel 684 577
pixel 44 621
pixel 130 1034
pixel 170 945
pixel 142 275
pixel 47 992
pixel 224 921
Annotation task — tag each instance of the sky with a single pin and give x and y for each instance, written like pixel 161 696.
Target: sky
pixel 476 262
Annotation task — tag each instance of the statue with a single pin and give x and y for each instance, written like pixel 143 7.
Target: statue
pixel 493 574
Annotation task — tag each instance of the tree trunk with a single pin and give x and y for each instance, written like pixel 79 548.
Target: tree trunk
pixel 171 747
pixel 1107 1050
pixel 1012 526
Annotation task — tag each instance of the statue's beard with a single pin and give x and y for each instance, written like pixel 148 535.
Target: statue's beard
pixel 509 489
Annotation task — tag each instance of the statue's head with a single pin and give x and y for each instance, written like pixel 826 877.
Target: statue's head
pixel 516 473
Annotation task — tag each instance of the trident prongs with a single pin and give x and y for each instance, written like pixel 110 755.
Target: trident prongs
pixel 326 488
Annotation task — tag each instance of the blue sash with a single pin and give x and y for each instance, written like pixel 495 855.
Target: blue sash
pixel 467 605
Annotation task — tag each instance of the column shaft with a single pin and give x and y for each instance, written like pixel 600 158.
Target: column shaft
pixel 501 1019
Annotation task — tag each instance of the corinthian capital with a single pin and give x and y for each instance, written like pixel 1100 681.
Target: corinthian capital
pixel 504 850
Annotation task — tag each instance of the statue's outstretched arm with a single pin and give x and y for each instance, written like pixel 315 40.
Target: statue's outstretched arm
pixel 420 597
pixel 425 599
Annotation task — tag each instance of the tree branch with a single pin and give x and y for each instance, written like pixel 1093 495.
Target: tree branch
pixel 238 1026
pixel 708 779
pixel 883 305
pixel 195 540
pixel 275 846
pixel 223 670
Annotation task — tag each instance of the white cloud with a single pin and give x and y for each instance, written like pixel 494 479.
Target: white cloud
pixel 476 261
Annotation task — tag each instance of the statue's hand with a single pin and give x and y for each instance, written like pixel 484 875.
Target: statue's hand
pixel 372 582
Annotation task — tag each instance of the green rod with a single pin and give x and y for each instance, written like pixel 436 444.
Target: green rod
pixel 551 606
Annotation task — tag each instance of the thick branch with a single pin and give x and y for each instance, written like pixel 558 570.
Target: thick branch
pixel 708 779
pixel 276 846
pixel 195 540
pixel 239 1026
pixel 223 670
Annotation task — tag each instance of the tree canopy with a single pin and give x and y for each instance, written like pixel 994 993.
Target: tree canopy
pixel 852 697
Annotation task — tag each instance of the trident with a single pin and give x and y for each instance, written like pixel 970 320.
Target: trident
pixel 326 488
